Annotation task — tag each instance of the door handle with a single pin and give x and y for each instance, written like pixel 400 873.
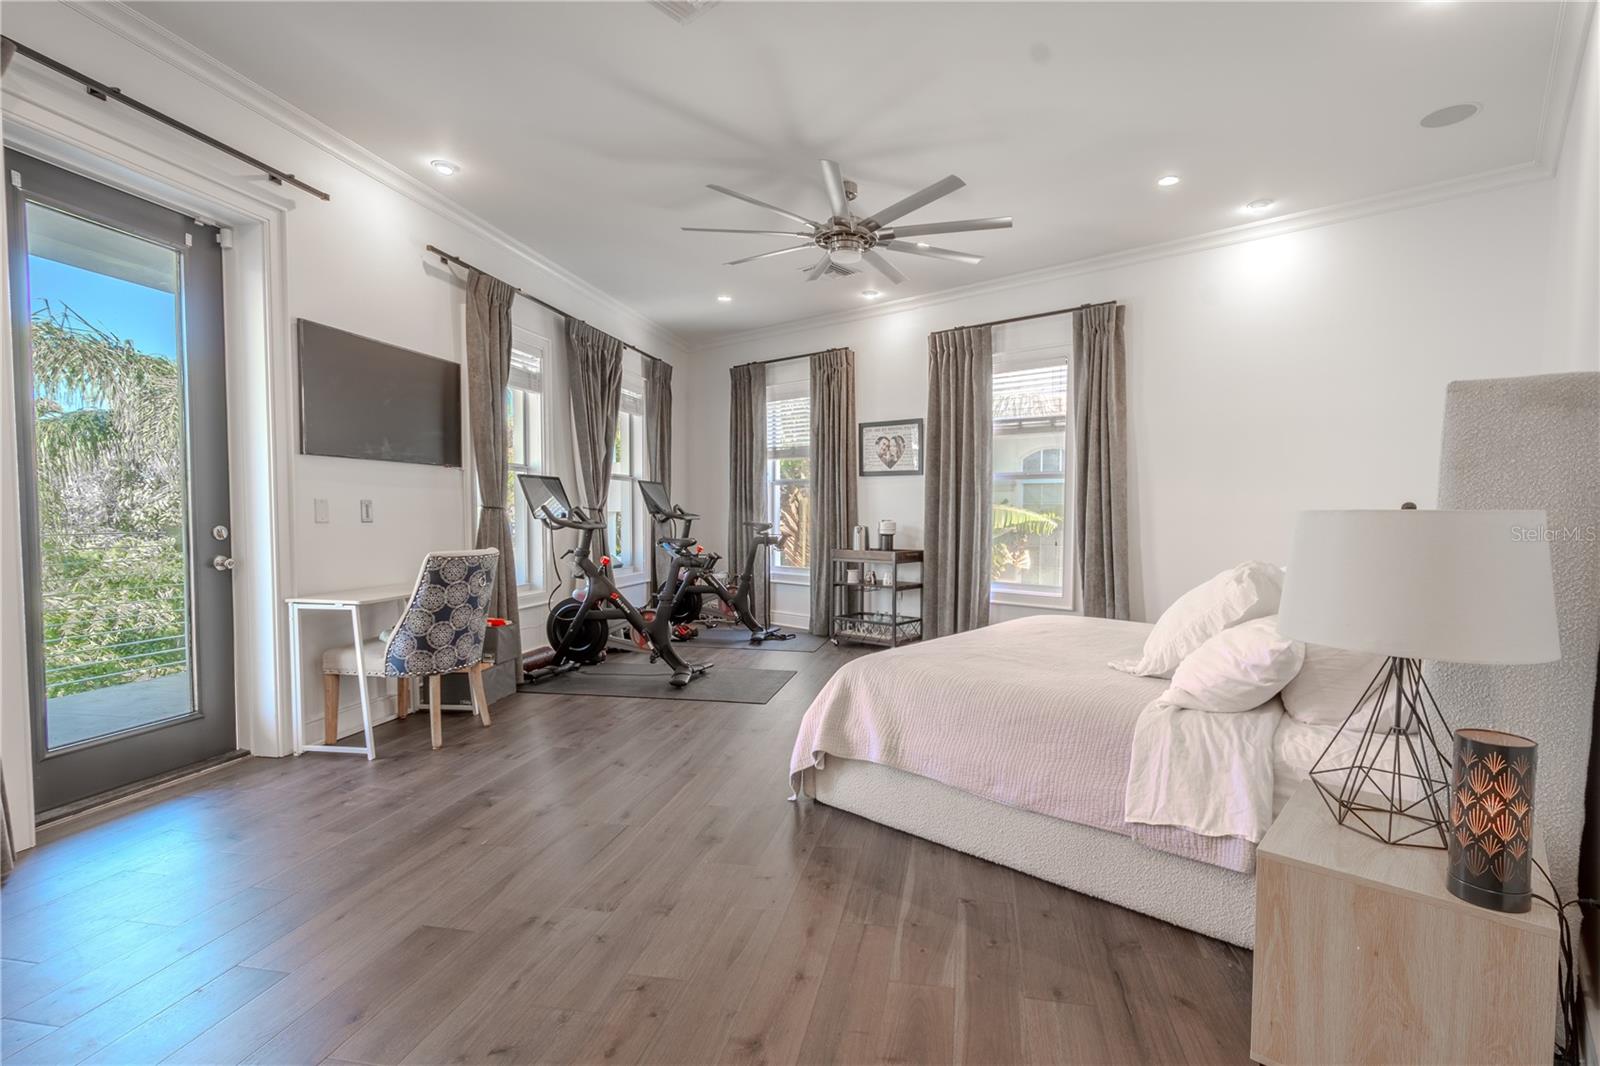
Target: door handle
pixel 222 562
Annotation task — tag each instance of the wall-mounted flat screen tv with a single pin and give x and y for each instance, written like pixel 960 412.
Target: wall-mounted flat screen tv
pixel 363 399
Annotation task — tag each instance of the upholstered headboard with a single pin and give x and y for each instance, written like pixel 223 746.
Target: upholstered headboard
pixel 1534 442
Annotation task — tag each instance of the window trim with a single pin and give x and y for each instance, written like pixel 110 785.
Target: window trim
pixel 530 345
pixel 792 388
pixel 1003 594
pixel 638 567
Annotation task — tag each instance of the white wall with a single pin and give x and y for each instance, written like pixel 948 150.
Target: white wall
pixel 1575 222
pixel 356 262
pixel 1575 327
pixel 1298 370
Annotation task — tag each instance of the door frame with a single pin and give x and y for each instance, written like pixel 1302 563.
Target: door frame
pixel 103 763
pixel 71 131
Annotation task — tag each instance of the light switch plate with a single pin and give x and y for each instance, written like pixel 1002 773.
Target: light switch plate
pixel 319 511
pixel 366 510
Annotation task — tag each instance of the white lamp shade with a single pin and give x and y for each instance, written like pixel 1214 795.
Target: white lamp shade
pixel 1451 586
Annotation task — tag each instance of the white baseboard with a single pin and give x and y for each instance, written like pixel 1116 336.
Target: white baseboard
pixel 791 619
pixel 383 710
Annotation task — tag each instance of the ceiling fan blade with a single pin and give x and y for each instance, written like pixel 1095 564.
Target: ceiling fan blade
pixel 883 266
pixel 819 268
pixel 912 248
pixel 943 187
pixel 833 179
pixel 762 232
pixel 768 255
pixel 762 203
pixel 966 225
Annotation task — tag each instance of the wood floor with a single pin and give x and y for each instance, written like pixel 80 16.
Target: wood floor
pixel 588 880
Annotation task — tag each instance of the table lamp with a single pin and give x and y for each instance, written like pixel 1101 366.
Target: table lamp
pixel 1454 586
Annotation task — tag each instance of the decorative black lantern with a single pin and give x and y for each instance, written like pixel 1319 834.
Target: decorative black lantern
pixel 1491 820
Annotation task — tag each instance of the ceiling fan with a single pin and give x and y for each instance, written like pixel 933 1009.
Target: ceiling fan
pixel 847 238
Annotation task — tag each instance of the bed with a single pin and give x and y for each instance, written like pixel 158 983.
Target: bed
pixel 1013 743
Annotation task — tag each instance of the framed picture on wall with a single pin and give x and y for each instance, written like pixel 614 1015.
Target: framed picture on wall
pixel 891 449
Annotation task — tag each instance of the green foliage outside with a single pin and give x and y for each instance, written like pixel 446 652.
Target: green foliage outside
pixel 108 439
pixel 1010 529
pixel 794 510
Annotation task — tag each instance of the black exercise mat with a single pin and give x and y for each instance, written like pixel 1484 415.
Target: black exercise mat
pixel 734 635
pixel 720 684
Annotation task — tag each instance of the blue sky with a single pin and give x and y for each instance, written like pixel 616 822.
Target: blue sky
pixel 123 309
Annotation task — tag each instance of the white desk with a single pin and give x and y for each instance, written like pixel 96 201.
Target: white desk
pixel 350 603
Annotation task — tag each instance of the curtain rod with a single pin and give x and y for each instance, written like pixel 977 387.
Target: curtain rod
pixel 446 257
pixel 1041 314
pixel 784 358
pixel 101 91
pixel 980 325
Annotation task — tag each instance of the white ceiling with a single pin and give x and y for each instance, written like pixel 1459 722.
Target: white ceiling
pixel 589 131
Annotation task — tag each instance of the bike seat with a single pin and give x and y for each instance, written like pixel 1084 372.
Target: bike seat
pixel 759 526
pixel 680 543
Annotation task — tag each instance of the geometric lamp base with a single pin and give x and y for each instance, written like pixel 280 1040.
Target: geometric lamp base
pixel 1394 785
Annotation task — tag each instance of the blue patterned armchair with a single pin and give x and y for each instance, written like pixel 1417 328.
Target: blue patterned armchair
pixel 440 632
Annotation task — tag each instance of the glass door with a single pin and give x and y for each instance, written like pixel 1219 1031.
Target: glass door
pixel 116 305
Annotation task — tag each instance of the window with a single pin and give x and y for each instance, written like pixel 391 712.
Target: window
pixel 789 462
pixel 525 437
pixel 624 520
pixel 1032 523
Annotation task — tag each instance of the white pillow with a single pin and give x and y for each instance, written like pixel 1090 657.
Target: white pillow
pixel 1249 590
pixel 1239 669
pixel 1329 684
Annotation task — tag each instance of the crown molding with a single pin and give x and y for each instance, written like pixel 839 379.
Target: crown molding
pixel 1574 23
pixel 156 40
pixel 1418 196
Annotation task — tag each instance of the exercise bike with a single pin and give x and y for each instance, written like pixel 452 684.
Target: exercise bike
pixel 577 627
pixel 693 568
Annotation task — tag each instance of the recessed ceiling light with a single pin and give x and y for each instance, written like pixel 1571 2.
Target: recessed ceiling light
pixel 922 244
pixel 1258 206
pixel 1449 116
pixel 724 299
pixel 1167 181
pixel 871 294
pixel 444 166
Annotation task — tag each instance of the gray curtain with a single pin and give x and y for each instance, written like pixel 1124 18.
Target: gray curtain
pixel 747 468
pixel 956 496
pixel 658 441
pixel 833 473
pixel 594 376
pixel 488 367
pixel 1100 524
pixel 8 855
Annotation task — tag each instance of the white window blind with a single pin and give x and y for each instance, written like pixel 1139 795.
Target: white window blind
pixel 632 392
pixel 1031 393
pixel 525 372
pixel 788 419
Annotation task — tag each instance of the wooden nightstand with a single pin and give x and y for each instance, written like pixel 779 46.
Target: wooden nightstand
pixel 1363 956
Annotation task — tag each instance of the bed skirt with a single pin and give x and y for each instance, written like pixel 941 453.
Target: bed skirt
pixel 1207 899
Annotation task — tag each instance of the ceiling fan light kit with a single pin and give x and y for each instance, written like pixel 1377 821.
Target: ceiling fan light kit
pixel 848 240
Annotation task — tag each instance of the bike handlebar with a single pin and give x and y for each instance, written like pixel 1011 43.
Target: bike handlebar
pixel 674 515
pixel 577 522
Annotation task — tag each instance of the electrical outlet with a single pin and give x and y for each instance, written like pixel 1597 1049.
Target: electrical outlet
pixel 366 510
pixel 319 511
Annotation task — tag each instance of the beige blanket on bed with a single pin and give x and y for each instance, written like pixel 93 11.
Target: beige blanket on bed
pixel 1025 713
